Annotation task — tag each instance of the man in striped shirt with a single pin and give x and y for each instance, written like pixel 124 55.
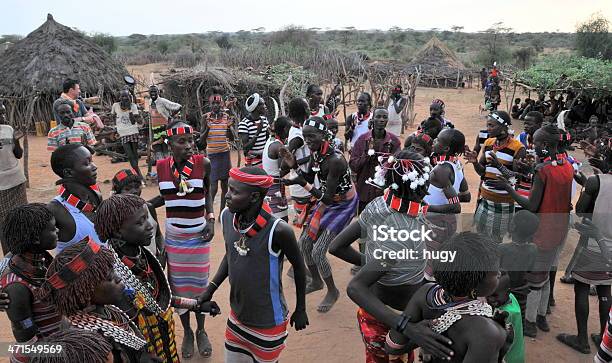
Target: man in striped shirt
pixel 253 130
pixel 495 206
pixel 216 129
pixel 68 131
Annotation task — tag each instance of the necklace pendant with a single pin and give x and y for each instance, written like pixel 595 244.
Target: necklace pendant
pixel 241 246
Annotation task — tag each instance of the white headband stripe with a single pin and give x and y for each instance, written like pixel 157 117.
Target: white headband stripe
pixel 497 118
pixel 315 124
pixel 256 98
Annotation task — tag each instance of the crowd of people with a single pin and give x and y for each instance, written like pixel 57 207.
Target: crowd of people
pixel 115 278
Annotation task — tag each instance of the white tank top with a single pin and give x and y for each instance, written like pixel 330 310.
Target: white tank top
pixel 270 165
pixel 395 120
pixel 436 195
pixel 302 152
pixel 360 128
pixel 320 112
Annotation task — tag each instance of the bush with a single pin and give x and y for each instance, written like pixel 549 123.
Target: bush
pixel 105 41
pixel 224 42
pixel 292 35
pixel 592 38
pixel 185 59
pixel 523 57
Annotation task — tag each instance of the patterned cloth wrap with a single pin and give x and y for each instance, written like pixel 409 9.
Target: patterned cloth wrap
pixel 374 334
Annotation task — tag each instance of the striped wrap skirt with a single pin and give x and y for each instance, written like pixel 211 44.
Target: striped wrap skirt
pixel 188 263
pixel 493 219
pixel 250 344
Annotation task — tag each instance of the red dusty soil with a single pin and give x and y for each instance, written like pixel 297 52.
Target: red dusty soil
pixel 334 337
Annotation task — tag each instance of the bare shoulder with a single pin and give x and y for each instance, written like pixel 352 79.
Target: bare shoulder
pixel 283 231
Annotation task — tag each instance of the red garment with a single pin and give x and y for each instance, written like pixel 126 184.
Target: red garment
pixel 363 165
pixel 555 206
pixel 374 334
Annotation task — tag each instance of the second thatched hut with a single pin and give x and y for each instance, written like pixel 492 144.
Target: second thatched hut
pixel 438 65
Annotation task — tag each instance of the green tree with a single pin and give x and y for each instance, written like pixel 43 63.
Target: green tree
pixel 293 35
pixel 523 57
pixel 592 38
pixel 494 50
pixel 224 41
pixel 105 41
pixel 12 38
pixel 163 46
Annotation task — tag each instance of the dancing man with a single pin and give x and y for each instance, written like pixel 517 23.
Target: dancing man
pixel 256 244
pixel 337 204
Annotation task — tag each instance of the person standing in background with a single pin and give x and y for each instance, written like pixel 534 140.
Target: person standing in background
pixel 397 103
pixel 12 179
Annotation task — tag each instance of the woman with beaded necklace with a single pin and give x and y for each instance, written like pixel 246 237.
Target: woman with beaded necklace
pixel 31 233
pixel 453 306
pixel 122 221
pixel 379 291
pixel 84 288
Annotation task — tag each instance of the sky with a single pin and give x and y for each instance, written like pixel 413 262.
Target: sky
pixel 191 16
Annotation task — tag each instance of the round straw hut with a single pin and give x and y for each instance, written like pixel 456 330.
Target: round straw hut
pixel 33 69
pixel 438 65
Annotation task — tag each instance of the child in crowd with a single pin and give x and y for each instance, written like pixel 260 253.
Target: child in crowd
pixel 518 257
pixel 503 300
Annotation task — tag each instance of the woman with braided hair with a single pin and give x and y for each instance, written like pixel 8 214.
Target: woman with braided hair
pixel 419 143
pixel 77 346
pixel 336 206
pixel 30 233
pixel 85 289
pixel 453 308
pixel 127 181
pixel 377 289
pixel 122 221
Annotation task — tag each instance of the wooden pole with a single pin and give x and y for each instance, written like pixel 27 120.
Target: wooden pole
pixel 26 144
pixel 513 93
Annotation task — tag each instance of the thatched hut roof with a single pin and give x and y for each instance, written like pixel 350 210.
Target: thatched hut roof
pixel 192 87
pixel 52 53
pixel 435 58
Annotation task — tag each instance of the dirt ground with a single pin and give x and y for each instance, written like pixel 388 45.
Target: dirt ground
pixel 334 337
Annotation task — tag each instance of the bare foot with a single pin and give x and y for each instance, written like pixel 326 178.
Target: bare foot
pixel 328 301
pixel 314 286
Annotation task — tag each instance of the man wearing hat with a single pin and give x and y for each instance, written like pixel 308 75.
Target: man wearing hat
pixel 253 130
pixel 256 244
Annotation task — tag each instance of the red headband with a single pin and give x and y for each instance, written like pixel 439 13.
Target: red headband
pixel 123 174
pixel 71 271
pixel 264 181
pixel 180 131
pixel 425 137
pixel 214 98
